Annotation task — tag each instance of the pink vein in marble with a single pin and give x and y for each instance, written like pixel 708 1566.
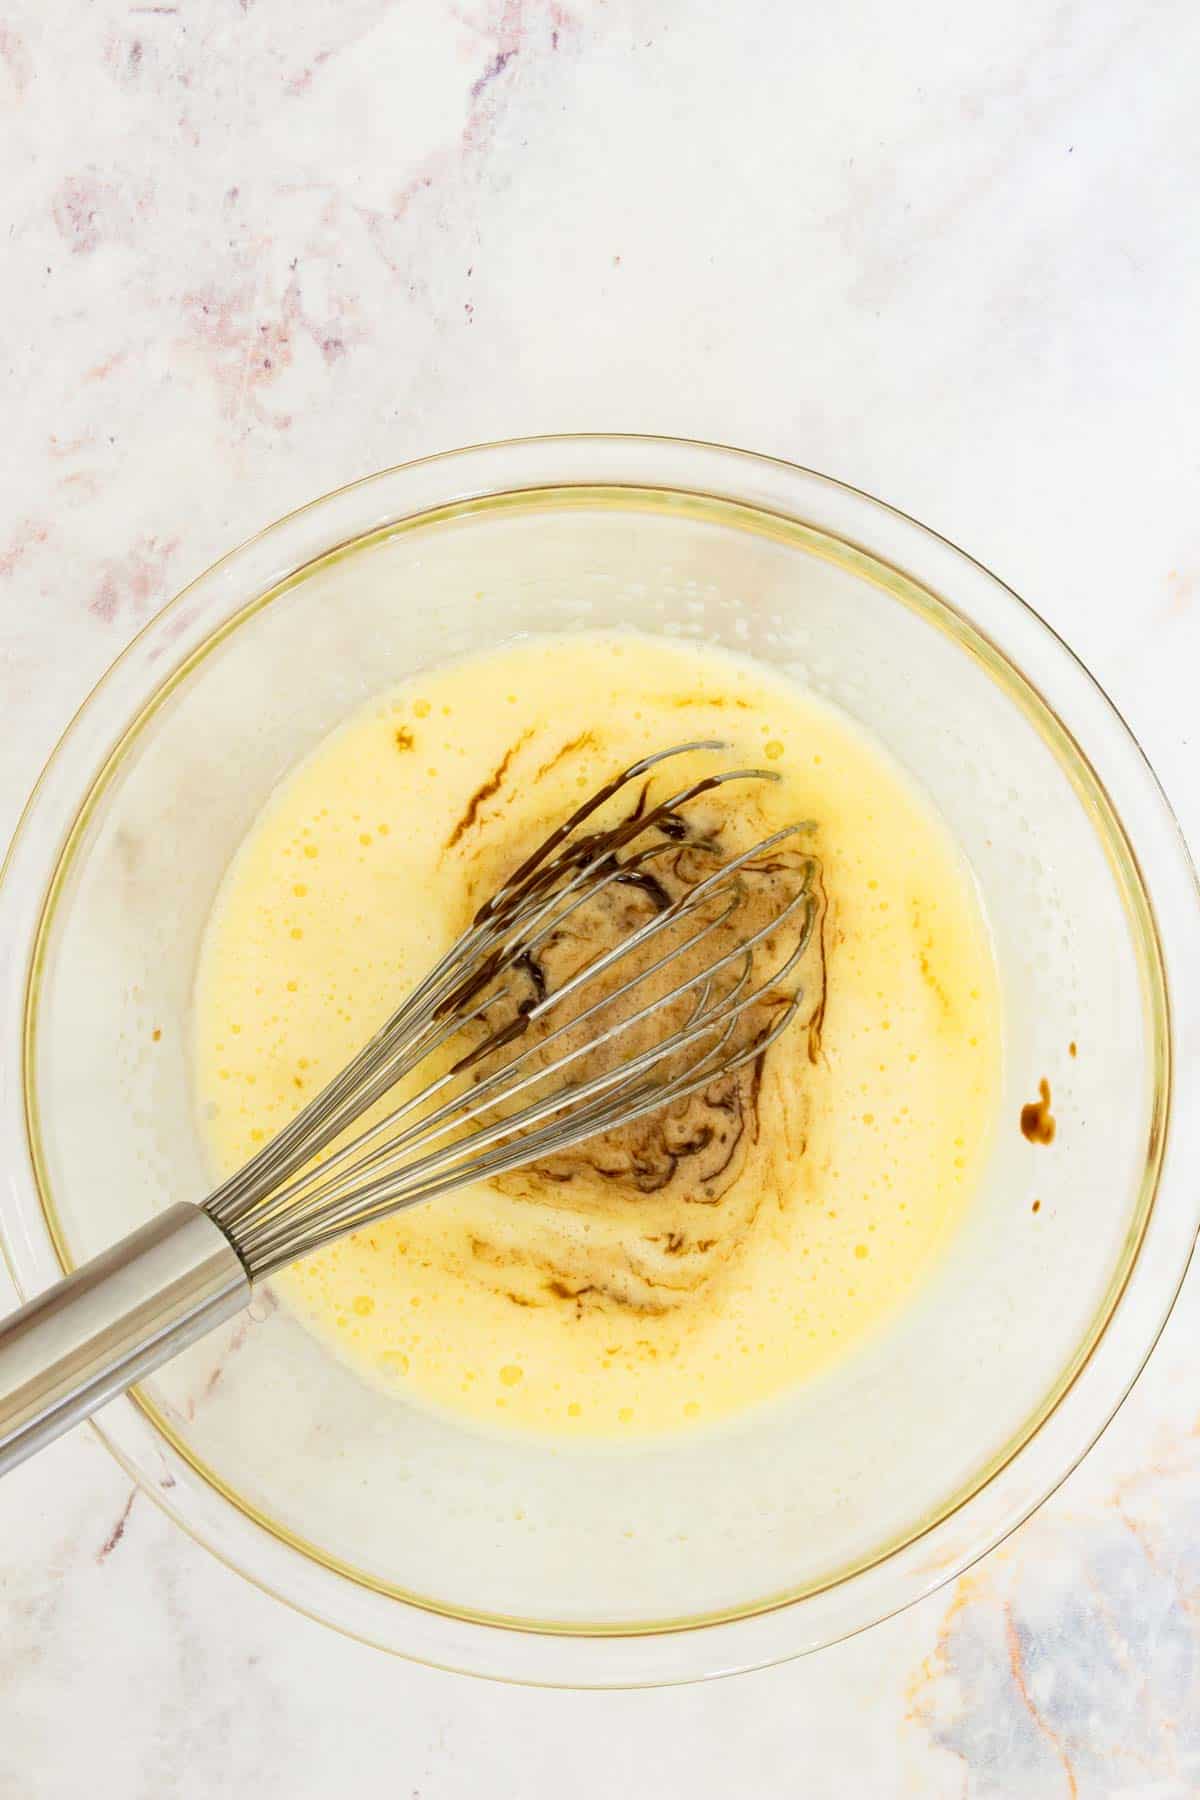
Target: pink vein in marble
pixel 136 579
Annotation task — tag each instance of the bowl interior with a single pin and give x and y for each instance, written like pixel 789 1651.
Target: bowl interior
pixel 797 1496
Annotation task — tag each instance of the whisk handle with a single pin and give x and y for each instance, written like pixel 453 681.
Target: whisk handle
pixel 111 1322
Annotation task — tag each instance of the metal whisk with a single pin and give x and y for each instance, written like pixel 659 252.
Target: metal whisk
pixel 463 1083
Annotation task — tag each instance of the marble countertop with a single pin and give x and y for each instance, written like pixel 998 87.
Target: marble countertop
pixel 946 253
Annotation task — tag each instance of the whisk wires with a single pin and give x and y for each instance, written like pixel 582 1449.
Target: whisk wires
pixel 503 1089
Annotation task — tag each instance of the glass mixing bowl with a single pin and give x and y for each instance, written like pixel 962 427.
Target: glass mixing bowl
pixel 801 1522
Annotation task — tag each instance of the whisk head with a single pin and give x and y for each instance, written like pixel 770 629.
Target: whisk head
pixel 533 1033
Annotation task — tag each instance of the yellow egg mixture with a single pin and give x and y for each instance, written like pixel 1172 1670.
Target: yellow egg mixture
pixel 582 1305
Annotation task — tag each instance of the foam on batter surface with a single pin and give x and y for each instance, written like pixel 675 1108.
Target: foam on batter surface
pixel 699 1262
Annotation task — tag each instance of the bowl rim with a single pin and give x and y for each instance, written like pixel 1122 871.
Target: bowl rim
pixel 555 1659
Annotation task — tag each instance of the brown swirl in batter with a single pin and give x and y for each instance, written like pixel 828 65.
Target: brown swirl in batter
pixel 647 1216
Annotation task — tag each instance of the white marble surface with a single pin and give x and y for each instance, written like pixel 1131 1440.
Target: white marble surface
pixel 949 253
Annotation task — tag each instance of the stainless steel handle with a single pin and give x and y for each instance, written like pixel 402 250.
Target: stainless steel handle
pixel 110 1323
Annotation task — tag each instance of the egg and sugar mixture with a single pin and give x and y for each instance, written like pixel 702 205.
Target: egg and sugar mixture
pixel 702 1260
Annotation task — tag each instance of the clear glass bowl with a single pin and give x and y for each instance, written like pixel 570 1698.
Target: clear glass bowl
pixel 802 1522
